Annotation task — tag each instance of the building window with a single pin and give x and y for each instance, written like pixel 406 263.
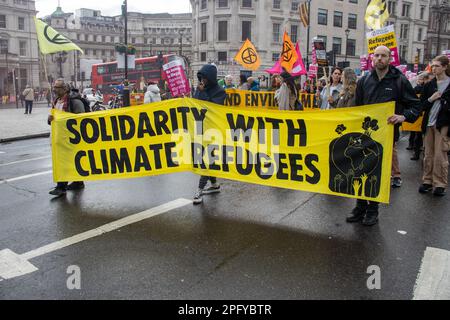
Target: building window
pixel 275 56
pixel 203 32
pixel 392 7
pixel 203 56
pixel 294 6
pixel 324 39
pixel 246 30
pixel 405 9
pixel 223 31
pixel 103 39
pixel 403 52
pixel 277 4
pixel 222 56
pixel 276 32
pixel 2 21
pixel 353 1
pixel 21 23
pixel 322 17
pixel 419 34
pixel 94 52
pixel 112 53
pixel 3 46
pixel 78 37
pixel 133 40
pixel 294 29
pixel 246 3
pixel 103 52
pixel 351 47
pixel 422 12
pixel 337 45
pixel 404 31
pixel 223 3
pixel 203 5
pixel 352 21
pixel 337 21
pixel 22 48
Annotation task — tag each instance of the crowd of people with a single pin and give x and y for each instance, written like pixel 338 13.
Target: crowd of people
pixel 385 83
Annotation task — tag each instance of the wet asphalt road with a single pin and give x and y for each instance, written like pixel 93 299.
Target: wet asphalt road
pixel 247 242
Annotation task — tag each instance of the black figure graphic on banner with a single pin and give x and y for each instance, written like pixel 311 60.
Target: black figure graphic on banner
pixel 356 161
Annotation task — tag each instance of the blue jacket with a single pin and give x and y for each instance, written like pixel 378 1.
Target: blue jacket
pixel 213 92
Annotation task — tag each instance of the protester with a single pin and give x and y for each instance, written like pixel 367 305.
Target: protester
pixel 276 82
pixel 229 82
pixel 385 83
pixel 243 85
pixel 49 98
pixel 329 95
pixel 208 90
pixel 28 93
pixel 347 96
pixel 152 94
pixel 64 102
pixel 253 83
pixel 287 95
pixel 436 104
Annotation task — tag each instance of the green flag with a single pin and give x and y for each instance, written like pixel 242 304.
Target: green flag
pixel 51 41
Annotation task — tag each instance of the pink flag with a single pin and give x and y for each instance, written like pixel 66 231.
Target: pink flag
pixel 298 68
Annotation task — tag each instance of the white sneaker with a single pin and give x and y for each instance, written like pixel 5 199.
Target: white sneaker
pixel 198 198
pixel 214 188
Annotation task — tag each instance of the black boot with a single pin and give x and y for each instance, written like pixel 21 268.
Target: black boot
pixel 356 215
pixel 371 217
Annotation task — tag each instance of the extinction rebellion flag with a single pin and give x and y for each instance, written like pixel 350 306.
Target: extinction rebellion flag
pixel 248 57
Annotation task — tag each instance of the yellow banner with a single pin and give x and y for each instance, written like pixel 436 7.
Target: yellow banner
pixel 344 152
pixel 416 126
pixel 263 99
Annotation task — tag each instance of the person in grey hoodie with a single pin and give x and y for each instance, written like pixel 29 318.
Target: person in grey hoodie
pixel 152 94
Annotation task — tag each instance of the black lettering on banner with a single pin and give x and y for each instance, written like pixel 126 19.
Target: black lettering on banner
pixel 213 156
pixel 281 175
pixel 309 159
pixel 199 118
pixel 84 130
pixel 173 119
pixel 161 119
pixel 77 138
pixel 233 99
pixel 254 99
pixel 141 160
pixel 245 171
pixel 184 111
pixel 104 158
pixel 240 127
pixel 169 154
pixel 276 126
pixel 293 131
pixel 247 100
pixel 264 99
pixel 94 169
pixel 267 165
pixel 78 167
pixel 124 134
pixel 144 126
pixel 119 163
pixel 197 155
pixel 295 167
pixel 103 133
pixel 156 148
pixel 115 128
pixel 226 158
pixel 261 130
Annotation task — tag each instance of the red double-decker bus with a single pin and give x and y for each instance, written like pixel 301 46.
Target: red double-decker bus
pixel 106 76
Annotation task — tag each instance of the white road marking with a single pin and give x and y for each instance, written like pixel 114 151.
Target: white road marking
pixel 14 265
pixel 26 176
pixel 433 281
pixel 20 161
pixel 1 152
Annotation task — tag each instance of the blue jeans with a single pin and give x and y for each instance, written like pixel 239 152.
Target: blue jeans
pixel 28 106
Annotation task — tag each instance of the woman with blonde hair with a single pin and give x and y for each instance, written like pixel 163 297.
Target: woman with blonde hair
pixel 347 96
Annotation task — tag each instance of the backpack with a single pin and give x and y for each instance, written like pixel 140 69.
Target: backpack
pixel 87 107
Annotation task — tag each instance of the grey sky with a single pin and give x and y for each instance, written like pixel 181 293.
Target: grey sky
pixel 113 7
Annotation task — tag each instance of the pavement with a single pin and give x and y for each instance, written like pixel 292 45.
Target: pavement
pixel 15 125
pixel 246 242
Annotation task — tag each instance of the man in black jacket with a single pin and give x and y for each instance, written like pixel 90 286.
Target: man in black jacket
pixel 208 90
pixel 385 83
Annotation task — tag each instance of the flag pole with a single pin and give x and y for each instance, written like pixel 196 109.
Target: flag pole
pixel 46 76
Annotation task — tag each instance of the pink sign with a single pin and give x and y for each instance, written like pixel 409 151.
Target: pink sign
pixel 403 68
pixel 312 73
pixel 176 78
pixel 314 56
pixel 363 62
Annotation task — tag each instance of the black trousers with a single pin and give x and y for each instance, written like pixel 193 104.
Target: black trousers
pixel 28 106
pixel 204 180
pixel 367 205
pixel 63 185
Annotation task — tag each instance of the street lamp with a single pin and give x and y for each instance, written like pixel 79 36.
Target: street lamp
pixel 347 31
